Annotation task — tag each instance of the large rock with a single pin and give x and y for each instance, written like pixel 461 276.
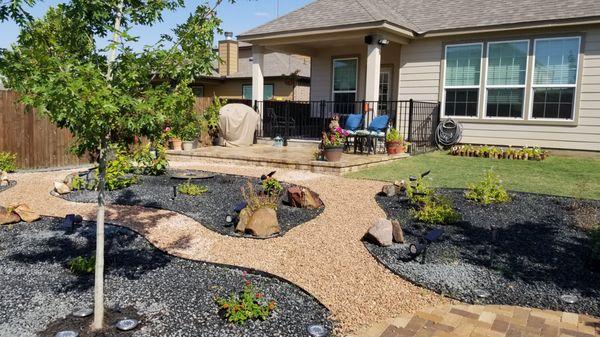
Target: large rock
pixel 302 197
pixel 397 232
pixel 245 216
pixel 263 223
pixel 26 213
pixel 389 190
pixel 382 232
pixel 61 188
pixel 69 179
pixel 8 217
pixel 3 175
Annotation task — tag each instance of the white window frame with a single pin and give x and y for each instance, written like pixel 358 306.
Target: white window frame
pixel 523 86
pixel 333 91
pixel 478 87
pixel 574 86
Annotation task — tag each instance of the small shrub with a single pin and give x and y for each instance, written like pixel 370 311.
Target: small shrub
pixel 147 164
pixel 436 210
pixel 272 186
pixel 488 191
pixel 78 183
pixel 249 304
pixel 393 135
pixel 420 193
pixel 82 265
pixel 8 161
pixel 191 189
pixel 117 171
pixel 257 200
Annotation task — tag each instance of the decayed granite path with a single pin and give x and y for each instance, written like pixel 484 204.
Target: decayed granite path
pixel 324 256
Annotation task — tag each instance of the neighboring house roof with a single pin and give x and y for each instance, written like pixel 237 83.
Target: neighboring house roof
pixel 422 16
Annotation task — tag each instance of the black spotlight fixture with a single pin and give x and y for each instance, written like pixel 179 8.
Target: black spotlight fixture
pixel 417 249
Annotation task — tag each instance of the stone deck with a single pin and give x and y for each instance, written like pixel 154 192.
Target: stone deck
pixel 298 157
pixel 461 320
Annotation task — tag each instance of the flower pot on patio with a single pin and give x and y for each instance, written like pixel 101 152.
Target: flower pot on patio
pixel 333 153
pixel 394 147
pixel 175 144
pixel 188 145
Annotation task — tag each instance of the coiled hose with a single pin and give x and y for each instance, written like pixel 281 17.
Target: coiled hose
pixel 448 133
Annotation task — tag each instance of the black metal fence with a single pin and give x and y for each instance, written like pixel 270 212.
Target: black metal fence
pixel 416 121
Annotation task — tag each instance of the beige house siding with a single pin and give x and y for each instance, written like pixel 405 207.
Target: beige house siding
pixel 232 88
pixel 421 72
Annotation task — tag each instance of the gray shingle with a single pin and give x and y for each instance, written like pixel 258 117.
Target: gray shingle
pixel 423 16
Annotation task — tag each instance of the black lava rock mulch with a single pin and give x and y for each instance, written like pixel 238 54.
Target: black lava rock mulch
pixel 210 208
pixel 537 255
pixel 11 183
pixel 174 296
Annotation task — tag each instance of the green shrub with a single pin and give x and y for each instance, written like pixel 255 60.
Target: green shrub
pixel 421 192
pixel 191 189
pixel 82 265
pixel 147 164
pixel 436 210
pixel 211 119
pixel 8 161
pixel 256 200
pixel 393 135
pixel 190 131
pixel 117 170
pixel 247 305
pixel 78 183
pixel 272 186
pixel 595 237
pixel 488 191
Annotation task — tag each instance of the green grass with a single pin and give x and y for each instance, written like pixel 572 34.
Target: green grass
pixel 574 176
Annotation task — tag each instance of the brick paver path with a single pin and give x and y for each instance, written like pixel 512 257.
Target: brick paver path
pixel 485 321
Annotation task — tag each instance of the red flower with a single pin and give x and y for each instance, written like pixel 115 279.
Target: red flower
pixel 247 282
pixel 259 295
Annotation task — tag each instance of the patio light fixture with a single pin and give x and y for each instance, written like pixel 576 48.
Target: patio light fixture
pixel 67 333
pixel 317 330
pixel 383 42
pixel 570 299
pixel 82 313
pixel 127 324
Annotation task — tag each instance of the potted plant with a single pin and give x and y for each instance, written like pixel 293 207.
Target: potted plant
pixel 332 144
pixel 174 141
pixel 189 134
pixel 394 144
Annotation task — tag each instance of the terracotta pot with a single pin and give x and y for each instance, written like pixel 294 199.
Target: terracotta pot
pixel 394 148
pixel 333 154
pixel 175 144
pixel 187 145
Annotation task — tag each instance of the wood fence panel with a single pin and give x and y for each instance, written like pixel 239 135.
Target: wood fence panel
pixel 37 142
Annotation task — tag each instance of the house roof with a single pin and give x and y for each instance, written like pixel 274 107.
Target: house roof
pixel 422 16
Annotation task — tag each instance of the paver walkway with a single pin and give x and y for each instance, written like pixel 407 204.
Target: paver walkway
pixel 324 256
pixel 483 321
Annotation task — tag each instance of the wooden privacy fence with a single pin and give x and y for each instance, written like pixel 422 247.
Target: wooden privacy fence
pixel 37 142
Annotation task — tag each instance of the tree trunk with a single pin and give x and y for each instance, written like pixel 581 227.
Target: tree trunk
pixel 99 268
pixel 98 322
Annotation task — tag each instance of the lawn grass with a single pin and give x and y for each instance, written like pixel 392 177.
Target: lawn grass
pixel 574 176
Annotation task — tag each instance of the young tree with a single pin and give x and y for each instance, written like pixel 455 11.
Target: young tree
pixel 107 94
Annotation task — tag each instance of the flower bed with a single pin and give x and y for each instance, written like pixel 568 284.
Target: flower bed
pixel 175 297
pixel 209 208
pixel 536 255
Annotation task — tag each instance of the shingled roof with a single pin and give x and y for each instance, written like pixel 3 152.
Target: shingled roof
pixel 422 16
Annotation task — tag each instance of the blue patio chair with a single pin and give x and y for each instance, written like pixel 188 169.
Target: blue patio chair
pixel 376 131
pixel 353 123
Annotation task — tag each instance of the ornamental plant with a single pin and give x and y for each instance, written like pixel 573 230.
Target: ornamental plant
pixel 77 66
pixel 272 186
pixel 488 191
pixel 249 304
pixel 393 136
pixel 191 189
pixel 210 117
pixel 436 210
pixel 82 265
pixel 150 163
pixel 256 200
pixel 8 162
pixel 334 139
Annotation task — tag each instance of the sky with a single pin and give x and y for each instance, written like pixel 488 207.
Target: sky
pixel 237 18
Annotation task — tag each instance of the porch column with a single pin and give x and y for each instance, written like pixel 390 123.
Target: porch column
pixel 373 74
pixel 258 79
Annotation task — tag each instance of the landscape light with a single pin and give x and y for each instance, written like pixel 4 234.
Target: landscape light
pixel 570 299
pixel 67 333
pixel 82 313
pixel 417 249
pixel 174 192
pixel 383 42
pixel 127 324
pixel 317 330
pixel 481 293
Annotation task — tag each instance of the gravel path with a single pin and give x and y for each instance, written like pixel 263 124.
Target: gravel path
pixel 209 209
pixel 176 295
pixel 324 256
pixel 537 256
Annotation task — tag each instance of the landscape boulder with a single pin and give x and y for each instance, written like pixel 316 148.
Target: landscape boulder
pixel 389 190
pixel 302 197
pixel 8 217
pixel 26 213
pixel 397 232
pixel 381 232
pixel 69 179
pixel 400 186
pixel 245 216
pixel 263 223
pixel 61 188
pixel 3 178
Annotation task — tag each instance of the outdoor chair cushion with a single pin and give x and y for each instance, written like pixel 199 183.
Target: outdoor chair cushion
pixel 379 123
pixel 353 122
pixel 363 132
pixel 378 134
